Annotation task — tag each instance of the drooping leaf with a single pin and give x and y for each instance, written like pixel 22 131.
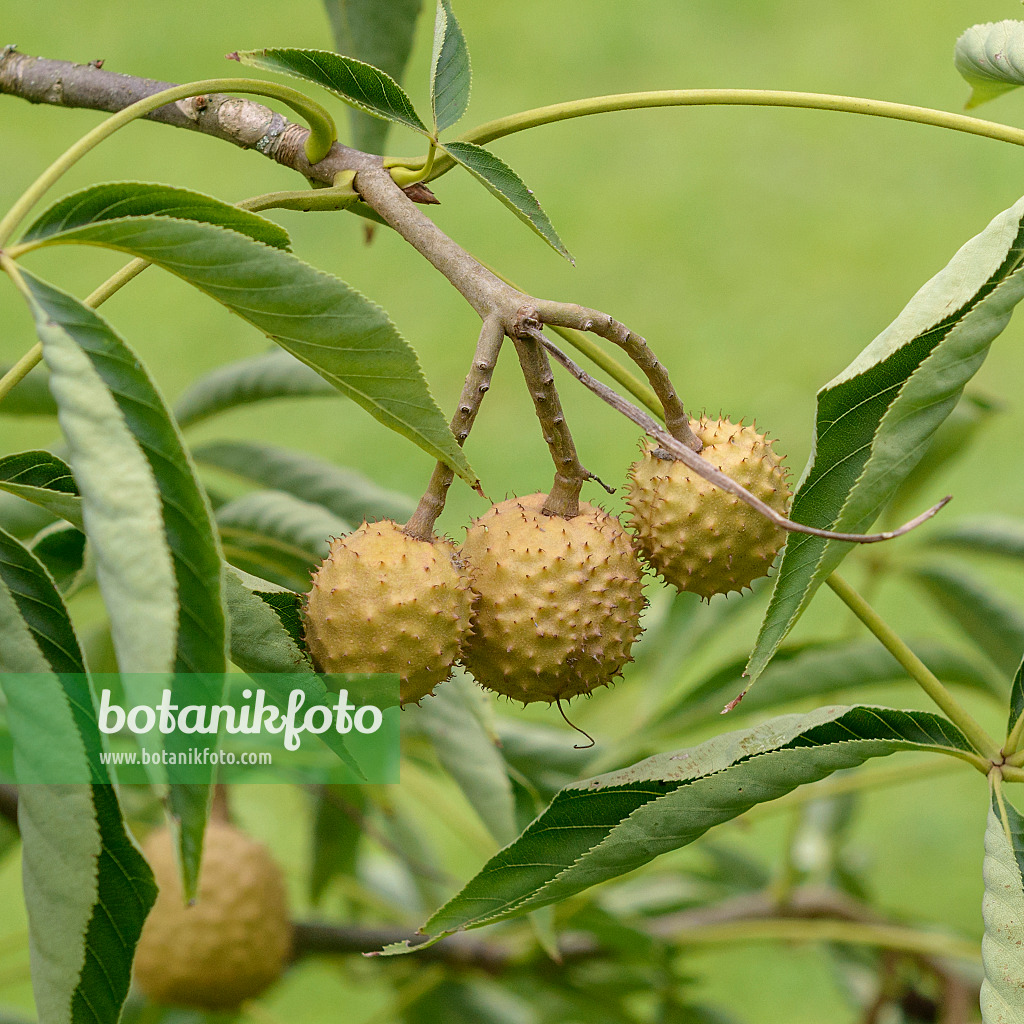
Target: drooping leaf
pixel 541 757
pixel 991 59
pixel 450 73
pixel 161 586
pixel 45 480
pixel 875 420
pixel 988 535
pixel 602 827
pixel 1002 991
pixel 114 200
pixel 157 558
pixel 30 397
pixel 377 32
pixel 285 603
pixel 501 181
pixel 986 618
pixel 347 339
pixel 469 754
pixel 348 495
pixel 61 548
pixel 817 671
pixel 275 374
pixel 87 887
pixel 363 86
pixel 277 536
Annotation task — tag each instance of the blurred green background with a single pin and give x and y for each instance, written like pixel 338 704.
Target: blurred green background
pixel 758 250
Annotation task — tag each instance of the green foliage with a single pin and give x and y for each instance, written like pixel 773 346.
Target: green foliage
pixel 501 181
pixel 45 480
pixel 365 87
pixel 376 33
pixel 991 59
pixel 450 73
pixel 1002 991
pixel 599 828
pixel 875 420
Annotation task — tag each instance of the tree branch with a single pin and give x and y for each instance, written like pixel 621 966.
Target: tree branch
pixel 242 122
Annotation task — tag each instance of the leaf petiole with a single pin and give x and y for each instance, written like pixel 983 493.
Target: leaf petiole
pixel 919 672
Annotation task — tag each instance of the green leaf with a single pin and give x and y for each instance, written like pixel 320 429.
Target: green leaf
pixel 275 374
pixel 87 887
pixel 162 586
pixel 31 395
pixel 1016 698
pixel 875 420
pixel 814 671
pixel 450 73
pixel 378 32
pixel 45 480
pixel 991 59
pixel 603 827
pixel 363 86
pixel 61 548
pixel 115 200
pixel 1002 991
pixel 280 536
pixel 990 622
pixel 348 495
pixel 158 563
pixel 988 535
pixel 468 753
pixel 259 640
pixel 347 339
pixel 501 181
pixel 951 442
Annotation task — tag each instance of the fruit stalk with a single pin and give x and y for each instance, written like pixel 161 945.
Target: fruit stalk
pixel 706 470
pixel 478 381
pixel 580 318
pixel 564 497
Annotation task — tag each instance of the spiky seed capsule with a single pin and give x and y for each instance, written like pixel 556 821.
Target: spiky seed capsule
pixel 558 600
pixel 698 537
pixel 232 943
pixel 385 602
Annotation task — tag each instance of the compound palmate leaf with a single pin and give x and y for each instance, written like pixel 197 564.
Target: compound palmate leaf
pixel 347 339
pixel 368 88
pixel 875 420
pixel 602 827
pixel 991 59
pixel 1002 991
pixel 87 887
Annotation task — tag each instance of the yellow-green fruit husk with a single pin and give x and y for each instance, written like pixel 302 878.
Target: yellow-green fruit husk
pixel 386 602
pixel 232 943
pixel 558 600
pixel 700 538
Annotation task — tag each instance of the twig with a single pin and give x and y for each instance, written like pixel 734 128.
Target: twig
pixel 673 449
pixel 564 498
pixel 478 381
